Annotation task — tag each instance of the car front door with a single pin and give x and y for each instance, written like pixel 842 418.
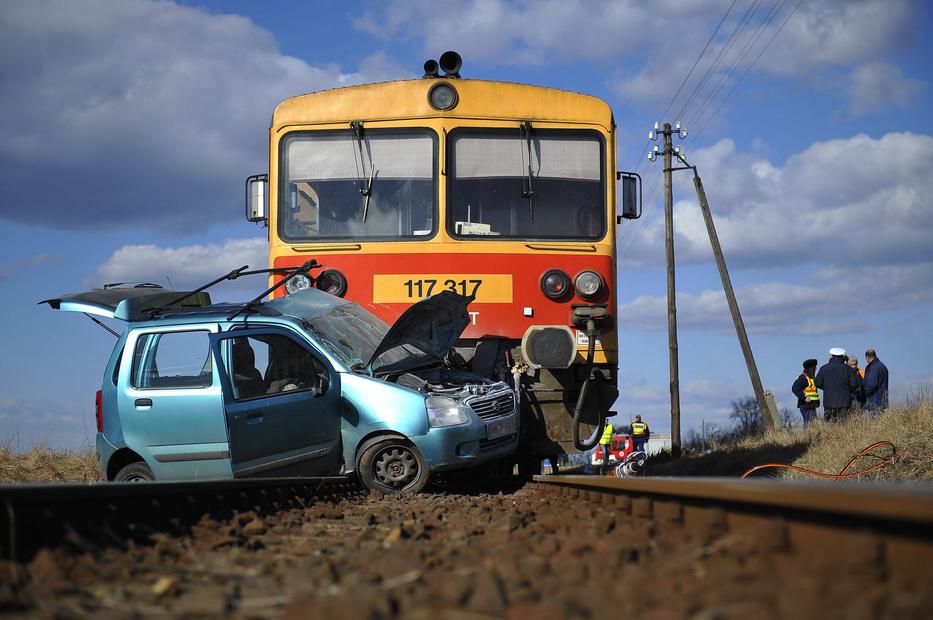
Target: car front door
pixel 281 403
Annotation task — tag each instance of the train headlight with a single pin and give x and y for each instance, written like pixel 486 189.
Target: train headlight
pixel 332 281
pixel 588 284
pixel 442 96
pixel 297 283
pixel 443 411
pixel 555 284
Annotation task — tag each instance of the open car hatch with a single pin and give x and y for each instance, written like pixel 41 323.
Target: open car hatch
pixel 432 326
pixel 127 303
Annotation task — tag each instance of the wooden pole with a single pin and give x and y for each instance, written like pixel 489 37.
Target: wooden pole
pixel 671 289
pixel 766 412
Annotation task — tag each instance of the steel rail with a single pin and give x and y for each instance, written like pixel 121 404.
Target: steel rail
pixel 905 503
pixel 110 514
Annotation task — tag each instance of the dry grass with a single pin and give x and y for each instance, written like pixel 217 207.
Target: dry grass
pixel 43 464
pixel 823 447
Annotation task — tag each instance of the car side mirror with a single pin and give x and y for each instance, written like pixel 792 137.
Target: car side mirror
pixel 630 196
pixel 256 198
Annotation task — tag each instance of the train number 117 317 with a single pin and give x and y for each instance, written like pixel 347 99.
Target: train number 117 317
pixel 418 289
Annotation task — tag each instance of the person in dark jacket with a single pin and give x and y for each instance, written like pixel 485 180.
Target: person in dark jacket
pixel 876 383
pixel 858 396
pixel 804 388
pixel 837 381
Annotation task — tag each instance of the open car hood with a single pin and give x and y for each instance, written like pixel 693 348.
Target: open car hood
pixel 432 326
pixel 125 304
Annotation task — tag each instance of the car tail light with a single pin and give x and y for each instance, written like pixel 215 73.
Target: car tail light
pixel 332 281
pixel 99 410
pixel 555 284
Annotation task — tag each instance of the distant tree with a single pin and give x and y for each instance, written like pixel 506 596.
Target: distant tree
pixel 746 417
pixel 788 420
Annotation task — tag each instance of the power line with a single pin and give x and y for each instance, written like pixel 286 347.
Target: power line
pixel 749 68
pixel 749 45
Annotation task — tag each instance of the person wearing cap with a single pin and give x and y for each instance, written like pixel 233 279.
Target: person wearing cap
pixel 837 381
pixel 640 434
pixel 804 388
pixel 876 383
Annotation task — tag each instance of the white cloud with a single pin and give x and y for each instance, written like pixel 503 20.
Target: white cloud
pixel 878 86
pixel 139 112
pixel 832 304
pixel 186 266
pixel 859 200
pixel 534 32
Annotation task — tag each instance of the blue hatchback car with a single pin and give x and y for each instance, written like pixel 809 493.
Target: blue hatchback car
pixel 303 385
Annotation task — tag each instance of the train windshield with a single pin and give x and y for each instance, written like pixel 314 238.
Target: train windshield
pixel 374 184
pixel 526 184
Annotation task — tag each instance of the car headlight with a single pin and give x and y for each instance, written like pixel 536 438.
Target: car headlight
pixel 298 283
pixel 443 411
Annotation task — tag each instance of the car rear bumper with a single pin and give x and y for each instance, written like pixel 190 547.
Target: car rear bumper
pixel 104 450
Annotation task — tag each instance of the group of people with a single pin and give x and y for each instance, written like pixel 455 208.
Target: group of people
pixel 846 387
pixel 638 430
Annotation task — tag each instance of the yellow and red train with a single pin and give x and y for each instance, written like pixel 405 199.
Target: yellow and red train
pixel 507 192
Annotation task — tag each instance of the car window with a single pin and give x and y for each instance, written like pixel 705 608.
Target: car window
pixel 267 364
pixel 172 360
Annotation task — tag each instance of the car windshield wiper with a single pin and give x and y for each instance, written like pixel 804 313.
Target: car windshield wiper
pixel 366 187
pixel 528 190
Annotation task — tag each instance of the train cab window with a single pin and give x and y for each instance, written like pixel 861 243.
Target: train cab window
pixel 491 193
pixel 377 185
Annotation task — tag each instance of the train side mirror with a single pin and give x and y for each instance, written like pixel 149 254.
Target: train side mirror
pixel 256 198
pixel 631 196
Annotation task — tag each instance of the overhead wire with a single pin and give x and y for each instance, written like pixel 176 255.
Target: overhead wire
pixel 742 54
pixel 629 239
pixel 749 68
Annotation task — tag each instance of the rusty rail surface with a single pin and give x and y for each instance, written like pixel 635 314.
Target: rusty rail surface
pixel 891 523
pixel 110 514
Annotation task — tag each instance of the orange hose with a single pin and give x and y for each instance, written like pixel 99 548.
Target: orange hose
pixel 844 473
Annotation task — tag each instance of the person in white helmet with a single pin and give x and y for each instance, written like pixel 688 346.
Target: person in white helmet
pixel 838 382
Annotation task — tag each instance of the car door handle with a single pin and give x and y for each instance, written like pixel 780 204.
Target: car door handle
pixel 143 402
pixel 254 417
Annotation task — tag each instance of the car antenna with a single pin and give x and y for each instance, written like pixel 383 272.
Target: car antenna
pixel 304 269
pixel 233 275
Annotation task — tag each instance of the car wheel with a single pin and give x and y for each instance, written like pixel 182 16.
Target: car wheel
pixel 393 466
pixel 135 472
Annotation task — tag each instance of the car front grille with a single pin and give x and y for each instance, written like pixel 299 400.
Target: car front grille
pixel 491 406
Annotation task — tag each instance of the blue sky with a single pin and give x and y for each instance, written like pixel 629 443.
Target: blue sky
pixel 128 127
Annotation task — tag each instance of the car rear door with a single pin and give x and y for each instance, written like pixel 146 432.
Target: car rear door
pixel 281 404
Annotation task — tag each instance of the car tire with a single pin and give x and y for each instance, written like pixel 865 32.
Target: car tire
pixel 393 466
pixel 135 472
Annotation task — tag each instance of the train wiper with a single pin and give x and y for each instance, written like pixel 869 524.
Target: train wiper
pixel 528 190
pixel 366 187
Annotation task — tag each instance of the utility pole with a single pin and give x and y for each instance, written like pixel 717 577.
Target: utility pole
pixel 767 413
pixel 667 133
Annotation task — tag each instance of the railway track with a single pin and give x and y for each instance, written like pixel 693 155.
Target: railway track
pixel 84 516
pixel 890 524
pixel 553 548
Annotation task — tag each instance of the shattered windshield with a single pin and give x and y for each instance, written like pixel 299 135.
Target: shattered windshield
pixel 526 184
pixel 352 334
pixel 358 183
